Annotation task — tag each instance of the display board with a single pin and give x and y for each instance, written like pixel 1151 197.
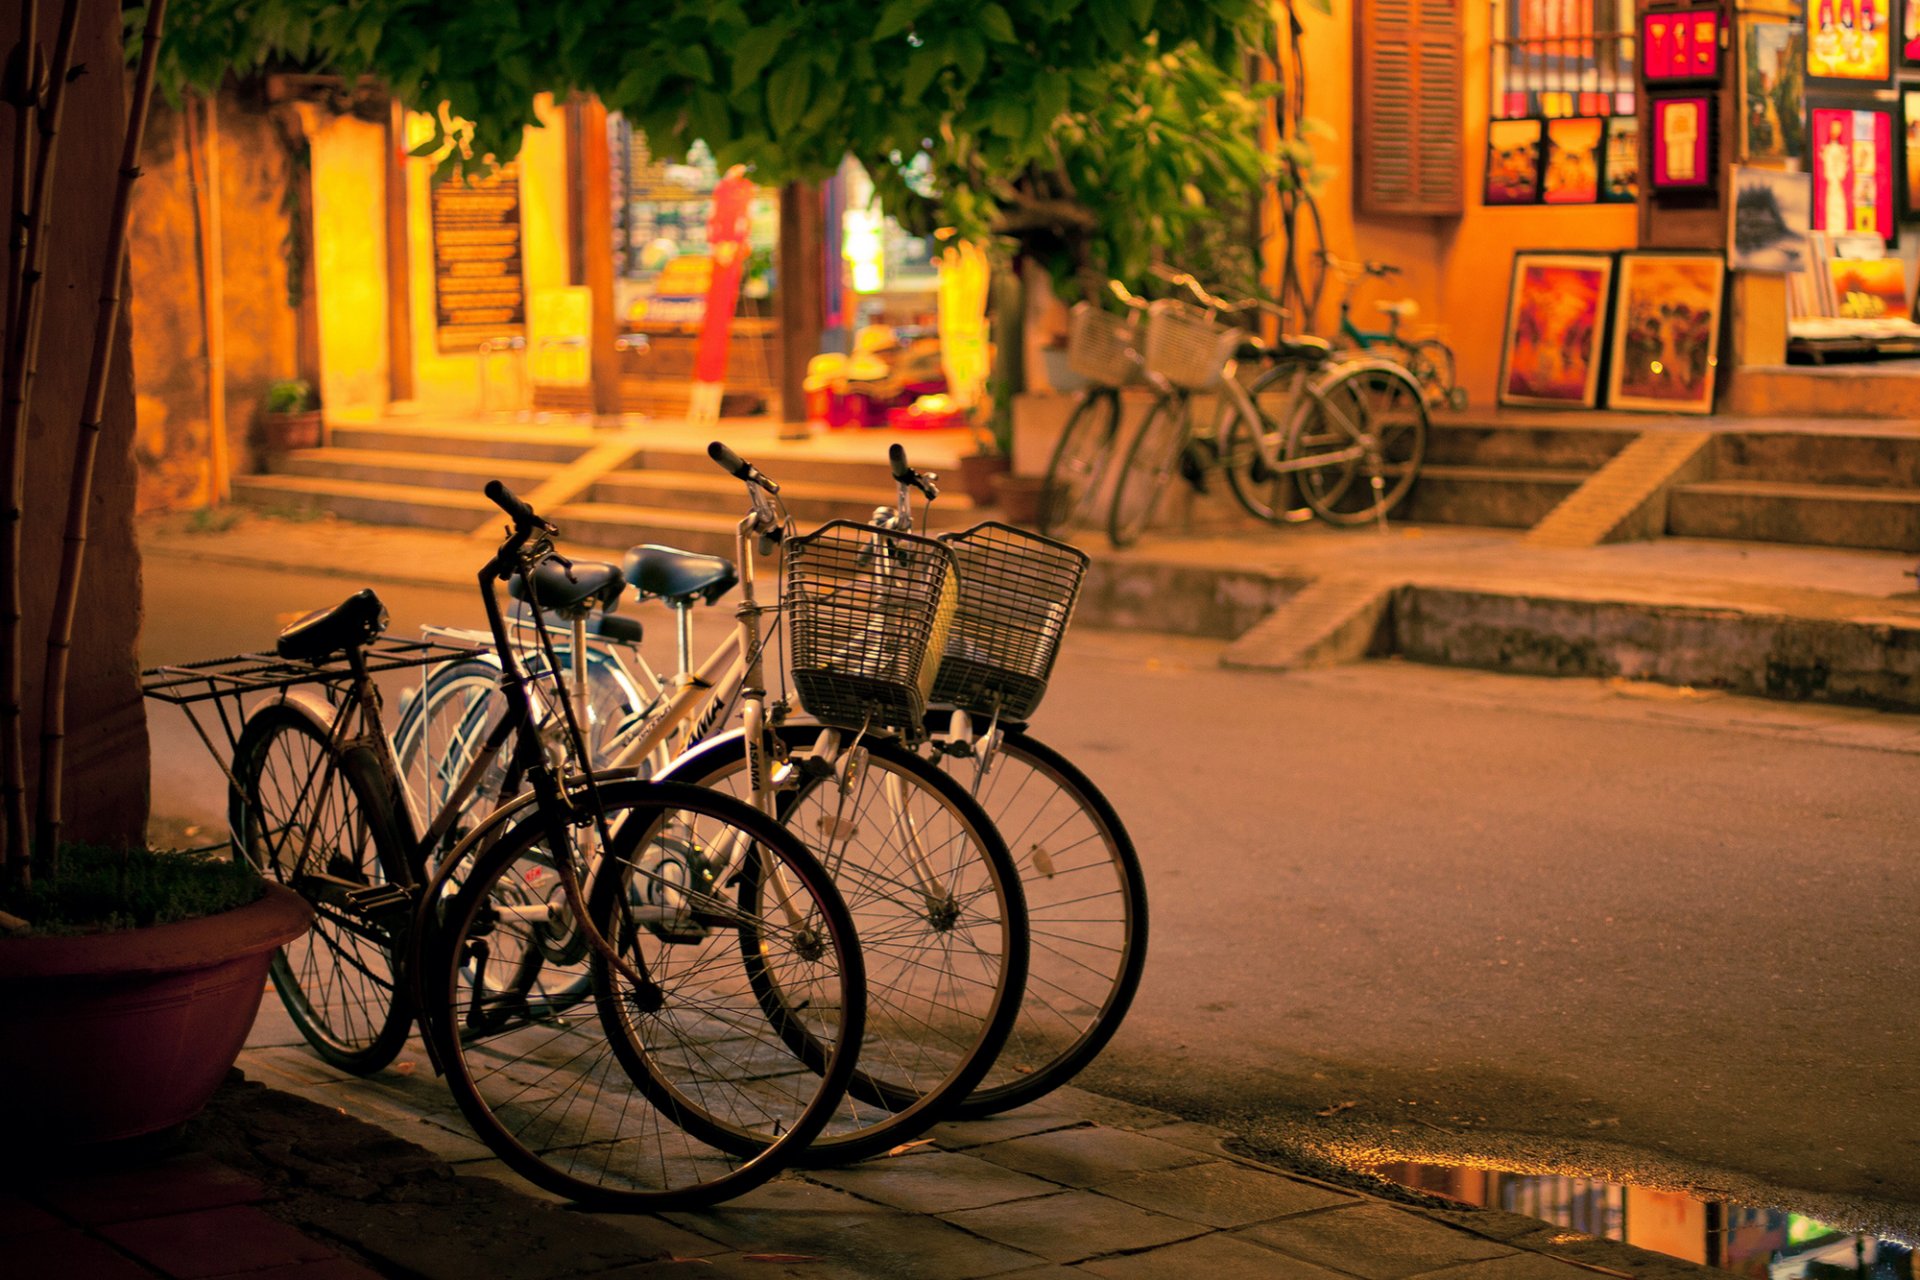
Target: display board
pixel 479 290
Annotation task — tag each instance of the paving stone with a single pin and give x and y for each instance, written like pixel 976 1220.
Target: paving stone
pixel 785 1209
pixel 175 1186
pixel 1045 1271
pixel 20 1216
pixel 325 1269
pixel 1375 1241
pixel 1095 1109
pixel 1493 1224
pixel 1073 1225
pixel 960 1135
pixel 63 1254
pixel 1223 1194
pixel 1194 1137
pixel 928 1181
pixel 1515 1266
pixel 1215 1257
pixel 215 1242
pixel 886 1246
pixel 1089 1155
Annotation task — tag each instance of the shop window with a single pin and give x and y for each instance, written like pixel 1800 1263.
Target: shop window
pixel 1562 58
pixel 1409 105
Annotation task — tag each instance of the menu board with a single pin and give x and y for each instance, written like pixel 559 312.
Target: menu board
pixel 478 290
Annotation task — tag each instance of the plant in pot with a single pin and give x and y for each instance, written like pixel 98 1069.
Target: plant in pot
pixel 290 416
pixel 118 1015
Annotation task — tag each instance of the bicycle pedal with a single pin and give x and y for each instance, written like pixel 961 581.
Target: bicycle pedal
pixel 375 903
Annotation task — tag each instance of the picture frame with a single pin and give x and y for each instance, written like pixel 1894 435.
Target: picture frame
pixel 1620 169
pixel 1850 42
pixel 1554 344
pixel 1664 353
pixel 1851 154
pixel 1680 46
pixel 1869 289
pixel 1772 74
pixel 1910 33
pixel 1769 220
pixel 1682 143
pixel 1570 171
pixel 1908 199
pixel 1513 161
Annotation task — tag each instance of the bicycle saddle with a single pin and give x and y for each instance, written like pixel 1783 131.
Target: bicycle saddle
pixel 566 590
pixel 1301 347
pixel 679 576
pixel 1404 308
pixel 353 622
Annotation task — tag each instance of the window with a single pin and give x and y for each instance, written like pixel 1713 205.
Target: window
pixel 1408 106
pixel 1561 58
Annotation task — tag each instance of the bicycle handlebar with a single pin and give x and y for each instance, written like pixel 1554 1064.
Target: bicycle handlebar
pixel 1346 267
pixel 906 475
pixel 522 515
pixel 737 467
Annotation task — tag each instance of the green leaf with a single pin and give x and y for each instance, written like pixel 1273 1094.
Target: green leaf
pixel 754 52
pixel 694 62
pixel 969 55
pixel 1142 12
pixel 921 69
pixel 787 90
pixel 1010 119
pixel 993 20
pixel 897 17
pixel 1113 28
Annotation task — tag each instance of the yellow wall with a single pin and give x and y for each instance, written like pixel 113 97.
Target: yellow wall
pixel 450 382
pixel 350 258
pixel 1456 268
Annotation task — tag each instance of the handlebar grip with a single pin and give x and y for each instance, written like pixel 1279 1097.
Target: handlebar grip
pixel 519 512
pixel 739 468
pixel 904 474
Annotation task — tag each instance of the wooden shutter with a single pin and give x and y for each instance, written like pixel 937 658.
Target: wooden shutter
pixel 1409 107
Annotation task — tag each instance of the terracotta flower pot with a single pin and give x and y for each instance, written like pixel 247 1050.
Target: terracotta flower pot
pixel 115 1035
pixel 282 432
pixel 1023 499
pixel 977 473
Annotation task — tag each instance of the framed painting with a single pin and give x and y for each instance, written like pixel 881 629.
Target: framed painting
pixel 1869 289
pixel 1682 141
pixel 1679 46
pixel 1850 42
pixel 1666 332
pixel 1768 220
pixel 1910 152
pixel 1910 33
pixel 1853 170
pixel 1556 327
pixel 1572 171
pixel 1621 171
pixel 1773 89
pixel 1513 161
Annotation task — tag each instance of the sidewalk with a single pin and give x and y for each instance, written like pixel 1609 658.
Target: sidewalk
pixel 277 1185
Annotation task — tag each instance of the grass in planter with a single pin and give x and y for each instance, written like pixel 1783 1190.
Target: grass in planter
pixel 101 890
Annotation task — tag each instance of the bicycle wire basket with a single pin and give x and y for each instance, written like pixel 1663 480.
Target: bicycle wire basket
pixel 868 611
pixel 1186 347
pixel 1017 591
pixel 1100 345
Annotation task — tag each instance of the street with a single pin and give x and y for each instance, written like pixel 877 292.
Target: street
pixel 1615 931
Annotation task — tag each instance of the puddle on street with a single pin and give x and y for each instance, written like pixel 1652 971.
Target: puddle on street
pixel 1763 1244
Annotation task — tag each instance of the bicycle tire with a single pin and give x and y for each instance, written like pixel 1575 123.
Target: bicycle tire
pixel 341 981
pixel 1430 361
pixel 675 1098
pixel 1263 492
pixel 1150 463
pixel 1086 911
pixel 1377 408
pixel 1079 464
pixel 937 1019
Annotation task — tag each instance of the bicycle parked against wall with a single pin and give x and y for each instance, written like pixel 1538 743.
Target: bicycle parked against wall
pixel 1429 360
pixel 615 1035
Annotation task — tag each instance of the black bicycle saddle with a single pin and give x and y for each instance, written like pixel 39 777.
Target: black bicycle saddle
pixel 353 622
pixel 679 576
pixel 581 587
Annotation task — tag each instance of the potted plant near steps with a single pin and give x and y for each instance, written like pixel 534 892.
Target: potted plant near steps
pixel 290 417
pixel 116 1018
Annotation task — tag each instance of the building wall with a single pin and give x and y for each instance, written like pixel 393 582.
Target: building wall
pixel 1456 268
pixel 172 443
pixel 350 258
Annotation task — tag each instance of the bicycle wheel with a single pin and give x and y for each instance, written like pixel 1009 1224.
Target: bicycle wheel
pixel 1151 461
pixel 1369 426
pixel 680 1093
pixel 299 808
pixel 1079 464
pixel 1086 909
pixel 941 920
pixel 1264 491
pixel 1430 361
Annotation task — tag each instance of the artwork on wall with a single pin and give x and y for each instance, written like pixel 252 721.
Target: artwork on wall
pixel 1556 322
pixel 1910 33
pixel 1869 289
pixel 1682 134
pixel 1572 172
pixel 1850 41
pixel 1680 45
pixel 1513 161
pixel 1666 332
pixel 1622 171
pixel 1773 89
pixel 1853 171
pixel 1910 170
pixel 1769 218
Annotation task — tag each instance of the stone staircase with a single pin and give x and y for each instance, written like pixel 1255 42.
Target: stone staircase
pixel 1506 474
pixel 1851 486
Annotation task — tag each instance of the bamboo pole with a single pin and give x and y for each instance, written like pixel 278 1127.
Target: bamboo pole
pixel 53 717
pixel 213 302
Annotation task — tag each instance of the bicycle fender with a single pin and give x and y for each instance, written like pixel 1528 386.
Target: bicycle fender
pixel 301 698
pixel 679 766
pixel 1368 364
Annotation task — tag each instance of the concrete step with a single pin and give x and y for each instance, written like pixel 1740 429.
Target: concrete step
pixel 1866 390
pixel 1880 459
pixel 811 502
pixel 614 525
pixel 367 501
pixel 1492 497
pixel 555 442
pixel 433 470
pixel 1827 515
pixel 867 476
pixel 1524 445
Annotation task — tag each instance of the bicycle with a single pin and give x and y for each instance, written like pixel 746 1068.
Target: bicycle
pixel 1429 360
pixel 1101 349
pixel 614 1036
pixel 1347 435
pixel 934 893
